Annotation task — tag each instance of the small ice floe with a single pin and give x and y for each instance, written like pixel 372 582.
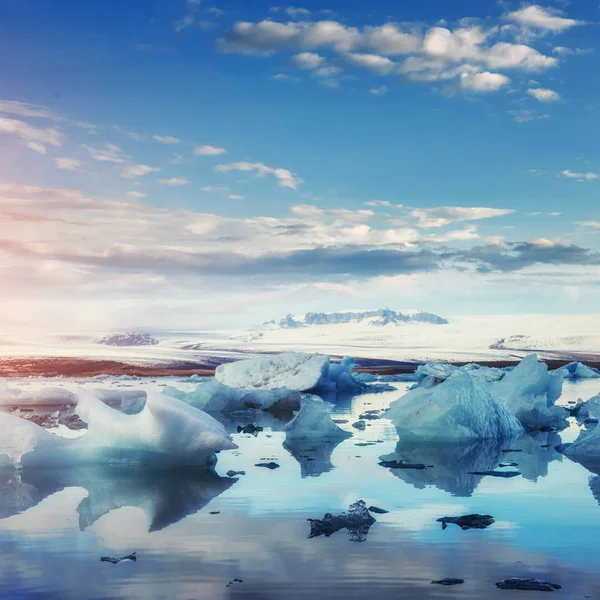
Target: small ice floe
pixel 526 583
pixel 465 522
pixel 588 411
pixel 251 428
pixel 313 422
pixel 458 409
pixel 448 581
pixel 357 520
pixel 111 559
pixel 577 370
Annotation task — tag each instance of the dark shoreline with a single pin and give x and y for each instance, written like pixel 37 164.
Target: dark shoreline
pixel 87 367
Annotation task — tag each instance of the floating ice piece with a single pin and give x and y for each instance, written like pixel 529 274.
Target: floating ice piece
pixel 458 409
pixel 585 447
pixel 165 431
pixel 301 372
pixel 474 521
pixel 577 370
pixel 530 392
pixel 589 410
pixel 433 373
pixel 358 521
pixel 215 397
pixel 314 422
pixel 53 396
pixel 111 559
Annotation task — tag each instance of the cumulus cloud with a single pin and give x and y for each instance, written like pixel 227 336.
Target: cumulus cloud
pixel 111 153
pixel 483 82
pixel 174 181
pixel 209 151
pixel 307 60
pixel 236 197
pixel 166 139
pixel 543 95
pixel 542 18
pixel 372 62
pixel 68 164
pixel 35 138
pixel 131 171
pixel 580 176
pixel 136 194
pixel 379 91
pixel 285 178
pixel 444 215
pixel 391 40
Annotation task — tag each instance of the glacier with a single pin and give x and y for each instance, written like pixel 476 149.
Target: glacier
pixel 166 431
pixel 458 409
pixel 294 371
pixel 313 422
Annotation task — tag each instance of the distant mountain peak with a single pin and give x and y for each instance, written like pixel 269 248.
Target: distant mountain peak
pixel 379 317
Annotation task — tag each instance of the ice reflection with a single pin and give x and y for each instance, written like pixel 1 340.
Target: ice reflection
pixel 166 496
pixel 314 456
pixel 452 464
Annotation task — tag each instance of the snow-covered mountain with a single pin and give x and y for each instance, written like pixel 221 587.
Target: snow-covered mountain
pixel 128 339
pixel 378 318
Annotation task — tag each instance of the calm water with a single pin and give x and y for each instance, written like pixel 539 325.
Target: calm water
pixel 55 525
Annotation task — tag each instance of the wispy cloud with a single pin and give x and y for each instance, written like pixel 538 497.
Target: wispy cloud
pixel 209 151
pixel 132 171
pixel 174 181
pixel 35 138
pixel 580 176
pixel 165 139
pixel 285 178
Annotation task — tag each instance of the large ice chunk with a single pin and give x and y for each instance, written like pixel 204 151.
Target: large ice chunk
pixel 458 409
pixel 586 447
pixel 530 392
pixel 165 431
pixel 590 410
pixel 431 374
pixel 215 397
pixel 314 422
pixel 577 370
pixel 294 371
pixel 50 396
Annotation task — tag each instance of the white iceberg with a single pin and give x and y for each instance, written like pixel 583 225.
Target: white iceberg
pixel 458 409
pixel 431 374
pixel 530 392
pixel 294 371
pixel 589 410
pixel 165 431
pixel 215 397
pixel 577 370
pixel 585 447
pixel 313 422
pixel 51 396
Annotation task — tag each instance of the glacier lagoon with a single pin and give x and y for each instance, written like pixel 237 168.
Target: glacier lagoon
pixel 196 533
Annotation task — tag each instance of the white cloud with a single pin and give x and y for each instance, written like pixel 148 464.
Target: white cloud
pixel 307 60
pixel 385 203
pixel 591 224
pixel 517 56
pixel 165 139
pixel 131 171
pixel 372 62
pixel 112 153
pixel 135 194
pixel 284 177
pixel 68 164
pixel 580 176
pixel 209 151
pixel 562 51
pixel 284 77
pixel 25 109
pixel 35 138
pixel 483 82
pixel 542 18
pixel 214 188
pixel 390 40
pixel 445 215
pixel 236 197
pixel 296 12
pixel 174 181
pixel 379 91
pixel 543 95
pixel 523 115
pixel 327 71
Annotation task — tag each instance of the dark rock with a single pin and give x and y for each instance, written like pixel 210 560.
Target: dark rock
pixel 114 561
pixel 521 583
pixel 214 512
pixel 358 521
pixel 251 428
pixel 340 421
pixel 359 425
pixel 361 444
pixel 394 464
pixel 377 510
pixel 232 473
pixel 505 474
pixel 512 450
pixel 269 465
pixel 473 521
pixel 448 581
pixel 369 416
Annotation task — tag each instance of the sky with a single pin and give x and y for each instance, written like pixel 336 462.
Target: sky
pixel 173 164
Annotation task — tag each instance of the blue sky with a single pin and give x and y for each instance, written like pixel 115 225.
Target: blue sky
pixel 214 163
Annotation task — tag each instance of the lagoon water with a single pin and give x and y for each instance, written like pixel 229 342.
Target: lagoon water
pixel 56 524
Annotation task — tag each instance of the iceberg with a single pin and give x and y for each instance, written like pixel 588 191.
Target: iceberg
pixel 313 422
pixel 294 371
pixel 166 431
pixel 577 370
pixel 530 392
pixel 52 396
pixel 215 397
pixel 431 374
pixel 458 409
pixel 589 410
pixel 586 448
